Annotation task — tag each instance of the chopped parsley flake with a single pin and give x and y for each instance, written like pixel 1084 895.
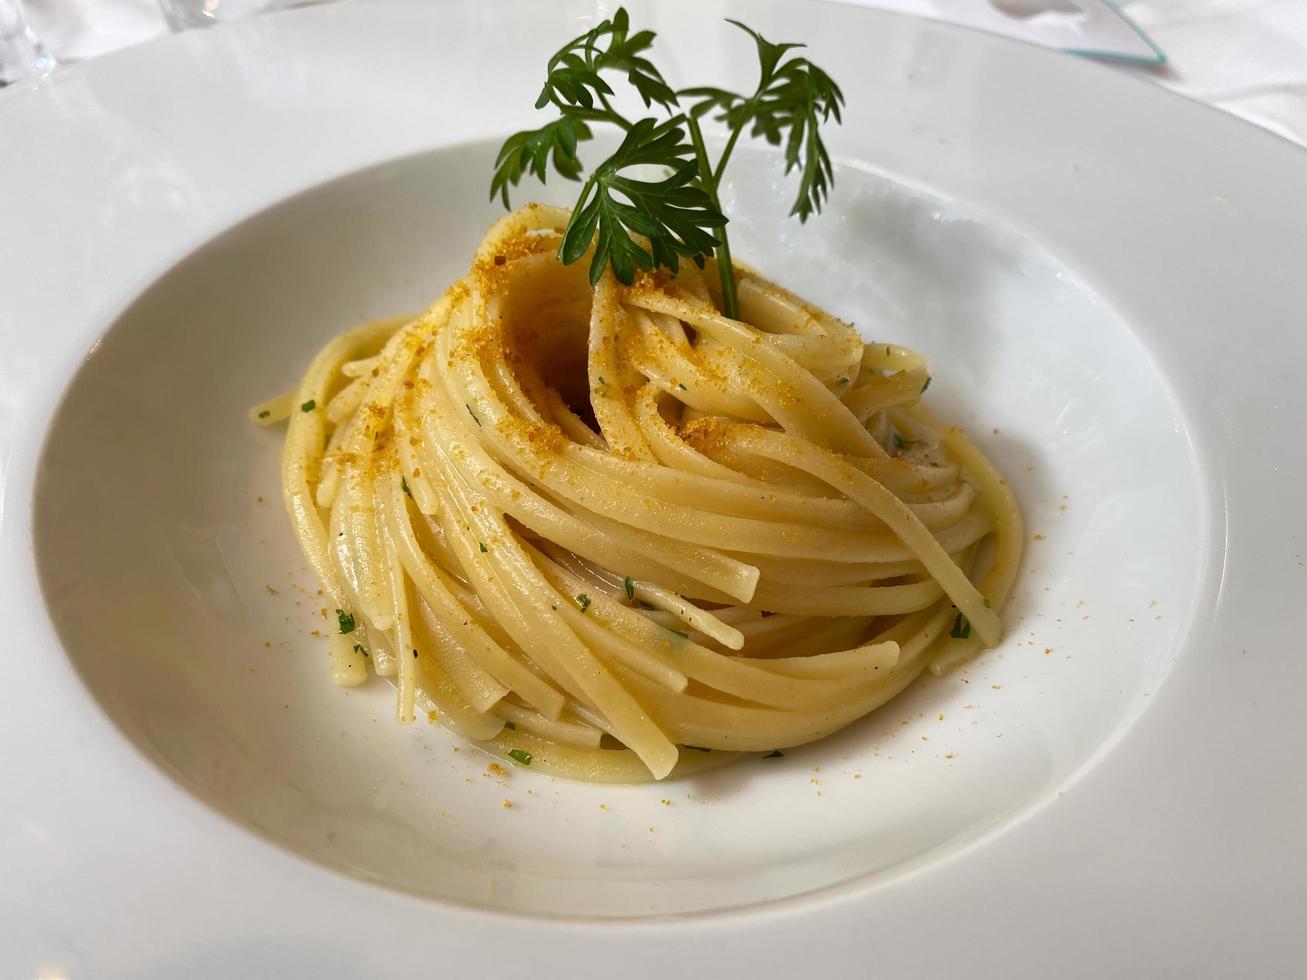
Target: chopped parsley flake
pixel 583 601
pixel 682 387
pixel 478 421
pixel 264 414
pixel 482 546
pixel 774 754
pixel 403 485
pixel 510 726
pixel 925 386
pixel 601 380
pixel 359 648
pixel 630 587
pixel 309 406
pixel 521 756
pixel 346 621
pixel 961 628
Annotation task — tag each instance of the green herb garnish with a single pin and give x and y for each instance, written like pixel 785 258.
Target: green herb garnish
pixel 521 756
pixel 472 413
pixel 403 485
pixel 309 406
pixel 630 587
pixel 583 601
pixel 961 628
pixel 359 648
pixel 264 414
pixel 510 726
pixel 926 385
pixel 679 215
pixel 346 621
pixel 481 545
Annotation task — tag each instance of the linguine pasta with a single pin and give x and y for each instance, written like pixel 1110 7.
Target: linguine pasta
pixel 615 535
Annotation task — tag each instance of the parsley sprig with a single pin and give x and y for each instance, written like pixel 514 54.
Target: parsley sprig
pixel 679 216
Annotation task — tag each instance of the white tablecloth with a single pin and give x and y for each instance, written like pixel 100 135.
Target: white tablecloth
pixel 1247 57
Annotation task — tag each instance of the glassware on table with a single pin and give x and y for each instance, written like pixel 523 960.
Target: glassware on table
pixel 184 14
pixel 22 55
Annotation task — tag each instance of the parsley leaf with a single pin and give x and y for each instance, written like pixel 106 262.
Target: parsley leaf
pixel 630 587
pixel 533 150
pixel 793 98
pixel 625 53
pixel 573 74
pixel 521 756
pixel 346 621
pixel 961 628
pixel 675 216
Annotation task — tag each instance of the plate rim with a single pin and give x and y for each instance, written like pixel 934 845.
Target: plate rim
pixel 55 373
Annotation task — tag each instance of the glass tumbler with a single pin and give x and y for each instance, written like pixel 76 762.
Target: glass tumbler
pixel 22 55
pixel 184 14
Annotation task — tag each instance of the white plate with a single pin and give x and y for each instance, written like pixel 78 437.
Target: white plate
pixel 1108 276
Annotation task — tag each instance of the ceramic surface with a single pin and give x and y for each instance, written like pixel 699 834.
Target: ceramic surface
pixel 1103 273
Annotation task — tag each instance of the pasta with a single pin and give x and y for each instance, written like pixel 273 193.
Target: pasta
pixel 612 534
